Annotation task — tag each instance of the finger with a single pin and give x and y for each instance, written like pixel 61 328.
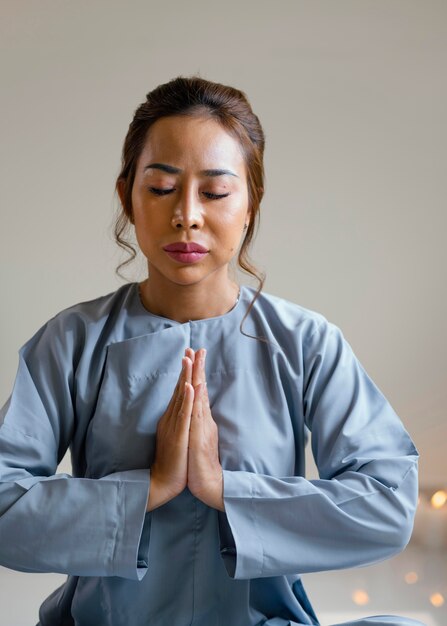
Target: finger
pixel 189 352
pixel 199 367
pixel 202 369
pixel 206 399
pixel 185 376
pixel 176 388
pixel 188 370
pixel 196 413
pixel 182 418
pixel 206 409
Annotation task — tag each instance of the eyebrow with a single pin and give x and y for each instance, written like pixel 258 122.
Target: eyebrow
pixel 170 169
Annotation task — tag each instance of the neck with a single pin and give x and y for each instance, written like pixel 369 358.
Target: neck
pixel 184 303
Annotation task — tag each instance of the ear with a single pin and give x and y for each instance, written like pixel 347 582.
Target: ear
pixel 120 187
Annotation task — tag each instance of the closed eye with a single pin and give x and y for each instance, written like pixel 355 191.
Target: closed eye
pixel 163 192
pixel 215 196
pixel 160 192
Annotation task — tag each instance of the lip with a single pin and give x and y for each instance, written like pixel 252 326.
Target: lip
pixel 186 257
pixel 181 246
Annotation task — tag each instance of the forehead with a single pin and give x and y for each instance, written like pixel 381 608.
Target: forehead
pixel 194 142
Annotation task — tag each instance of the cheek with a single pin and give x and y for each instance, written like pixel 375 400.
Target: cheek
pixel 146 229
pixel 228 232
pixel 147 218
pixel 231 218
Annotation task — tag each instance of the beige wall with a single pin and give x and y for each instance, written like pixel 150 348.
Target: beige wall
pixel 352 96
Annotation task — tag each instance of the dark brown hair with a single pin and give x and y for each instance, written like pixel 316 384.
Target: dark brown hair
pixel 197 96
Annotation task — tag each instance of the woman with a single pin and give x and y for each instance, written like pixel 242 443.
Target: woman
pixel 185 401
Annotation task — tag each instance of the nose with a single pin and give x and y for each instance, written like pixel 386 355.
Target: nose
pixel 188 212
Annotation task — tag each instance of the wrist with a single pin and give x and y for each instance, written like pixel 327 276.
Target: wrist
pixel 216 495
pixel 158 494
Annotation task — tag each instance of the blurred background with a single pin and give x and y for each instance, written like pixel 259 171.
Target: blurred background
pixel 352 95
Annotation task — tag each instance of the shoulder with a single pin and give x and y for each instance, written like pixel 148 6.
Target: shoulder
pixel 97 310
pixel 306 337
pixel 285 317
pixel 76 325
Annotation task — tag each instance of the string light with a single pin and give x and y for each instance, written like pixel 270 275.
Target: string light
pixel 360 597
pixel 438 499
pixel 437 599
pixel 411 578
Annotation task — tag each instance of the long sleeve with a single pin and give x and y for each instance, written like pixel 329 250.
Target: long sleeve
pixel 361 509
pixel 56 522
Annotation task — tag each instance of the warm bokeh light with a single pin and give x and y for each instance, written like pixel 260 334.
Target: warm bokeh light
pixel 411 578
pixel 437 599
pixel 360 597
pixel 438 499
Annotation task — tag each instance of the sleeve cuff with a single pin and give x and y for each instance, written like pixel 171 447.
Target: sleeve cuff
pixel 132 529
pixel 240 543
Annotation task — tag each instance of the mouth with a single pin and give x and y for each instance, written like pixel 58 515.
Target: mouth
pixel 181 246
pixel 186 257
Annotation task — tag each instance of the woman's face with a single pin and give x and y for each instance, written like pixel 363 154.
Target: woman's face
pixel 190 186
